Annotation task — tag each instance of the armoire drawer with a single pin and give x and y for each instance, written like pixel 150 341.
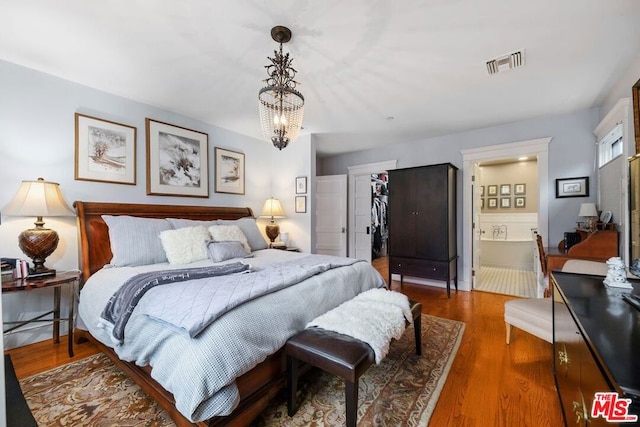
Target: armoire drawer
pixel 419 267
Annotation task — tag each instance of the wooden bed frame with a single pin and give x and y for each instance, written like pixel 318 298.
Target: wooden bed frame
pixel 256 387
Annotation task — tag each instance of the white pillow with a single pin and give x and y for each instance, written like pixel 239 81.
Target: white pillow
pixel 250 229
pixel 229 233
pixel 185 245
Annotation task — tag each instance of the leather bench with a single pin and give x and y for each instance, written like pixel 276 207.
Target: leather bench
pixel 339 355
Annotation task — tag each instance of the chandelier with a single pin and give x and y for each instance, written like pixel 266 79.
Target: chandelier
pixel 281 106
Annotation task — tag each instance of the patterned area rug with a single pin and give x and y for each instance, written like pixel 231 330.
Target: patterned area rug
pixel 402 390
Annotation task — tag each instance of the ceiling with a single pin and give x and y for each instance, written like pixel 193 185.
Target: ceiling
pixel 372 72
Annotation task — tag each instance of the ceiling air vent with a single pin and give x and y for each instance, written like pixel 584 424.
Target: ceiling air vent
pixel 506 62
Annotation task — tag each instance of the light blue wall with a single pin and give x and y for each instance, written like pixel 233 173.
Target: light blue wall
pixel 571 154
pixel 37 140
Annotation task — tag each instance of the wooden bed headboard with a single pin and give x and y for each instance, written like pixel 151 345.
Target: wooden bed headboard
pixel 95 249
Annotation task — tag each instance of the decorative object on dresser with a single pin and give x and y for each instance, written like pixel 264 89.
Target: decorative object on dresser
pixel 595 350
pixel 38 198
pixel 272 209
pixel 280 105
pixel 177 160
pixel 105 151
pixel 229 171
pixel 422 223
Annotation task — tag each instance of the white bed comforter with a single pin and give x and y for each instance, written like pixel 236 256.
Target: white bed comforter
pixel 201 372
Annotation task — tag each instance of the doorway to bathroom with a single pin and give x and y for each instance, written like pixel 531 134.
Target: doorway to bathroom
pixel 517 228
pixel 507 225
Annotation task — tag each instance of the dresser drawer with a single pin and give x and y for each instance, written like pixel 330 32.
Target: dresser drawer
pixel 419 268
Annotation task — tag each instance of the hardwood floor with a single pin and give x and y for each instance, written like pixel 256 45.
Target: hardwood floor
pixel 490 383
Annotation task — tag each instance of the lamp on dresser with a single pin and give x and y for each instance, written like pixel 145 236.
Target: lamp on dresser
pixel 272 209
pixel 38 198
pixel 589 211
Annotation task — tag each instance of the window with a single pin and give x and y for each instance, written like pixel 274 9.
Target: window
pixel 610 146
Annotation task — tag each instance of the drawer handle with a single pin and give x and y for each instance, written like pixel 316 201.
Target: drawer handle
pixel 563 357
pixel 580 409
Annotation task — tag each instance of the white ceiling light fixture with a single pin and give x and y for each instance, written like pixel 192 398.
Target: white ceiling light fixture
pixel 280 105
pixel 506 62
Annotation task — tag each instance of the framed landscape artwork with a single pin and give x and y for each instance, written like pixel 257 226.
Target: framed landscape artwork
pixel 229 171
pixel 177 160
pixel 301 204
pixel 105 151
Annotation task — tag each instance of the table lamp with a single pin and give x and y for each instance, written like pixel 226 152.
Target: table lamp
pixel 272 209
pixel 588 210
pixel 38 198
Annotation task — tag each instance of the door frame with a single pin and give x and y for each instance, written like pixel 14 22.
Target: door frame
pixel 534 147
pixel 355 170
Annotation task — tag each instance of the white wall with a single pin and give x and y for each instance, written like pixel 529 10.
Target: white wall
pixel 37 140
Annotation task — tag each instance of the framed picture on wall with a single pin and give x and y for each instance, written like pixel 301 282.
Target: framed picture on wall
pixel 482 191
pixel 177 160
pixel 572 187
pixel 519 189
pixel 105 151
pixel 519 202
pixel 481 203
pixel 229 171
pixel 492 190
pixel 505 189
pixel 301 185
pixel 492 202
pixel 301 204
pixel 505 202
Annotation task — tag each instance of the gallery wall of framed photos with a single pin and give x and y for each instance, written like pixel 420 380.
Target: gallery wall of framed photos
pixel 509 187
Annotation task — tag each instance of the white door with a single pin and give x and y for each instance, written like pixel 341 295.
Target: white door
pixel 362 231
pixel 477 225
pixel 331 215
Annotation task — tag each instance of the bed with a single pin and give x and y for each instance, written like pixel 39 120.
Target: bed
pixel 154 356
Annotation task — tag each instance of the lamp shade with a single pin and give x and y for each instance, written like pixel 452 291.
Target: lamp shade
pixel 588 209
pixel 38 198
pixel 272 209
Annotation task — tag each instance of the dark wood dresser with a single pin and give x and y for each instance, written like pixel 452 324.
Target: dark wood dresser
pixel 596 345
pixel 422 223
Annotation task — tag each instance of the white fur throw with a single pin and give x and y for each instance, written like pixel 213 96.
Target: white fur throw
pixel 229 233
pixel 374 316
pixel 185 245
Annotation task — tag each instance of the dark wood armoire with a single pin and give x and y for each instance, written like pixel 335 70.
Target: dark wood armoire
pixel 422 223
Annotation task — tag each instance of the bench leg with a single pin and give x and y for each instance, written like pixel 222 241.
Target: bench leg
pixel 292 385
pixel 351 401
pixel 417 330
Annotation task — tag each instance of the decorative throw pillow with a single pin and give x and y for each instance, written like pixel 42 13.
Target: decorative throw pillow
pixel 229 233
pixel 185 245
pixel 222 251
pixel 136 241
pixel 251 231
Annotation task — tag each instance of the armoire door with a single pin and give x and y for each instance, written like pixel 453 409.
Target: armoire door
pixel 402 213
pixel 431 233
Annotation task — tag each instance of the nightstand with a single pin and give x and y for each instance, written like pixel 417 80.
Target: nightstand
pixel 71 278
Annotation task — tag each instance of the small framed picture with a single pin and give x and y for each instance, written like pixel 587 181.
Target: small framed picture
pixel 572 187
pixel 229 171
pixel 177 160
pixel 481 203
pixel 301 204
pixel 105 151
pixel 520 189
pixel 505 189
pixel 301 185
pixel 492 190
pixel 482 191
pixel 519 202
pixel 505 202
pixel 492 202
